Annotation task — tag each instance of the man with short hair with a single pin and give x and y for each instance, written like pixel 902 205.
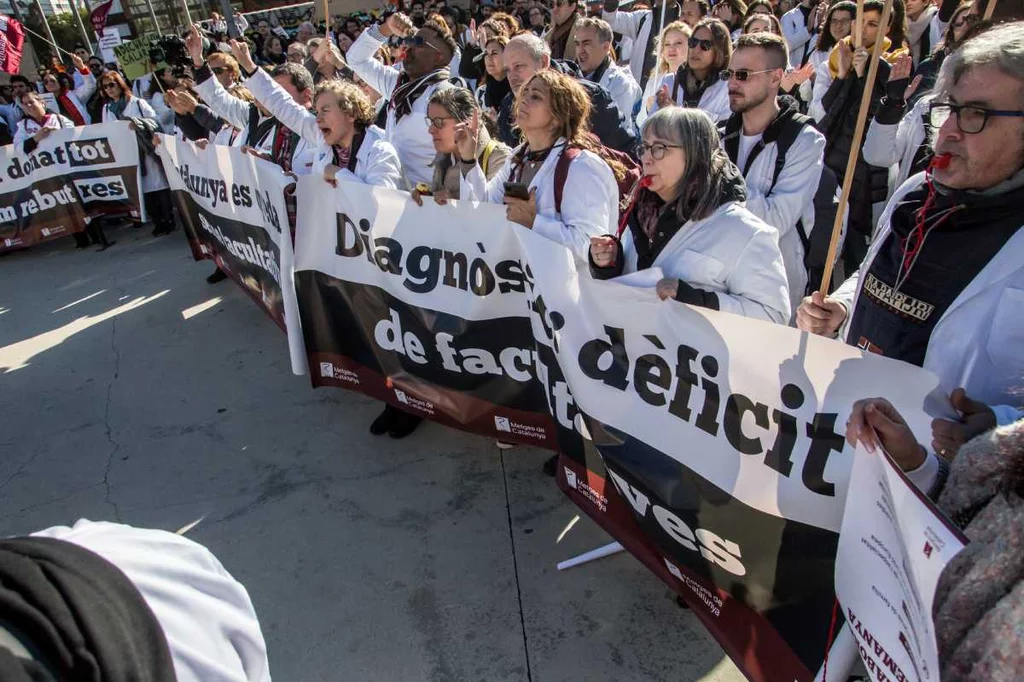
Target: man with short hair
pixel 640 26
pixel 94 105
pixel 525 55
pixel 593 52
pixel 297 53
pixel 561 38
pixel 416 14
pixel 763 130
pixel 306 32
pixel 425 70
pixel 941 286
pixel 692 11
pixel 13 112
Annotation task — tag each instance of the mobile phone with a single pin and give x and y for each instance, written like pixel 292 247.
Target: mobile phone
pixel 517 190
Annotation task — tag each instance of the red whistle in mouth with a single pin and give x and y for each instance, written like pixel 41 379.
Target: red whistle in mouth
pixel 940 161
pixel 645 181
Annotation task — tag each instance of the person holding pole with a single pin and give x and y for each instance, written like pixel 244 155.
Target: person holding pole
pixel 941 286
pixel 72 92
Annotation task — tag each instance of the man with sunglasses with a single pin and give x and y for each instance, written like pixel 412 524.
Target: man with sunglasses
pixel 561 38
pixel 778 150
pixel 942 285
pixel 640 26
pixel 425 69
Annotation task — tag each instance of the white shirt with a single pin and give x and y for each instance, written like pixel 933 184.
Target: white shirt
pixel 747 143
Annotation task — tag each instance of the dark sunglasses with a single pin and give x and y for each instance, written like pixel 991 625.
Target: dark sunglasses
pixel 437 122
pixel 218 70
pixel 742 75
pixel 418 41
pixel 111 85
pixel 705 45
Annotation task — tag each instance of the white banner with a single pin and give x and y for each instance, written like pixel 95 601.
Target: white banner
pixel 892 549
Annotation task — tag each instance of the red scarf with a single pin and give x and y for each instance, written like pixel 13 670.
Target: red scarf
pixel 70 109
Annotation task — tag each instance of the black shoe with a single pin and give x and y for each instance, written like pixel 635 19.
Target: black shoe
pixel 106 246
pixel 217 276
pixel 403 425
pixel 550 466
pixel 382 424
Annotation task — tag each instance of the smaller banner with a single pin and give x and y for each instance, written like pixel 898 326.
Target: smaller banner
pixel 893 546
pixel 233 209
pixel 133 56
pixel 74 175
pixel 98 17
pixel 109 39
pixel 424 307
pixel 12 42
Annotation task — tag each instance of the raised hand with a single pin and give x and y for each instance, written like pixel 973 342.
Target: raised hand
pixel 663 98
pixel 240 49
pixel 844 60
pixel 467 137
pixel 194 43
pixel 77 61
pixel 860 60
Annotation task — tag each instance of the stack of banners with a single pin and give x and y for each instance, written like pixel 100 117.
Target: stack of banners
pixel 893 546
pixel 712 447
pixel 232 207
pixel 423 307
pixel 73 176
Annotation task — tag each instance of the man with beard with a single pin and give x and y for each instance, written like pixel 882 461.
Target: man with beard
pixel 778 150
pixel 942 286
pixel 429 52
pixel 641 27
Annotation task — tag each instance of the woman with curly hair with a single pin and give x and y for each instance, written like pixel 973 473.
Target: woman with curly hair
pixel 552 111
pixel 689 220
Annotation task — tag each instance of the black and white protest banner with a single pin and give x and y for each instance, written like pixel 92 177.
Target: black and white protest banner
pixel 893 546
pixel 233 210
pixel 73 176
pixel 423 307
pixel 712 447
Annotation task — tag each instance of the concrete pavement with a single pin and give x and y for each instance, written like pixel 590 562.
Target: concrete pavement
pixel 132 390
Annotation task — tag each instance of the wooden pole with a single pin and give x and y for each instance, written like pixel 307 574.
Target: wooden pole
pixel 989 9
pixel 858 136
pixel 327 18
pixel 188 15
pixel 858 25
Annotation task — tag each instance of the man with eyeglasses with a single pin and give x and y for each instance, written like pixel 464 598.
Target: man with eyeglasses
pixel 561 37
pixel 538 20
pixel 943 283
pixel 640 26
pixel 428 54
pixel 777 149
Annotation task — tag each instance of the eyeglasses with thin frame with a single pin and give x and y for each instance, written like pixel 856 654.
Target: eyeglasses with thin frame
pixel 705 45
pixel 657 149
pixel 742 75
pixel 419 41
pixel 437 122
pixel 969 119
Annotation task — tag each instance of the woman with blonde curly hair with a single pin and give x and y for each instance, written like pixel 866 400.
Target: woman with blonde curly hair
pixel 672 47
pixel 340 127
pixel 552 111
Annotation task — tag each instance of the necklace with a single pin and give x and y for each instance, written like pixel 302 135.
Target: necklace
pixel 535 158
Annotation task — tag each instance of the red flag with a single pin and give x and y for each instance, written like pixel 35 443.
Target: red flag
pixel 12 39
pixel 98 17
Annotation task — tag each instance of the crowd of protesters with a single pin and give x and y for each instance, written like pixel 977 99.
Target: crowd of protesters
pixel 707 141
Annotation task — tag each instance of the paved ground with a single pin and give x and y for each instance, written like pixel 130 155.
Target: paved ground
pixel 431 558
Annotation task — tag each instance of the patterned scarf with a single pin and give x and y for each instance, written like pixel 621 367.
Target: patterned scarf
pixel 407 91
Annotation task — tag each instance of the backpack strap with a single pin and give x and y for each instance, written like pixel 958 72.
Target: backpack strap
pixel 562 174
pixel 784 140
pixel 730 133
pixel 485 157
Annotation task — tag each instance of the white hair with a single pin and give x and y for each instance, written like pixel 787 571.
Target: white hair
pixel 538 49
pixel 1001 47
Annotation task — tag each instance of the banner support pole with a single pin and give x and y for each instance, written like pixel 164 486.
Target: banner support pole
pixel 858 135
pixel 989 9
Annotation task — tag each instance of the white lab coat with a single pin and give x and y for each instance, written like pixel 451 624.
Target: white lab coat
pixel 894 146
pixel 714 102
pixel 164 114
pixel 822 81
pixel 409 136
pixel 798 38
pixel 807 87
pixel 791 200
pixel 154 180
pixel 623 88
pixel 206 615
pixel 978 343
pixel 590 198
pixel 733 253
pixel 28 127
pixel 636 26
pixel 376 162
pixel 235 112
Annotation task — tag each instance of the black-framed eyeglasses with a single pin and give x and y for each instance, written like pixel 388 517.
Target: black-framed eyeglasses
pixel 705 45
pixel 839 21
pixel 742 75
pixel 437 122
pixel 969 119
pixel 657 149
pixel 419 41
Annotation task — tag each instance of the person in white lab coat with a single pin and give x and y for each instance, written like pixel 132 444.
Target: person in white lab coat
pixel 689 221
pixel 641 26
pixel 425 69
pixel 551 113
pixel 838 24
pixel 800 28
pixel 942 285
pixel 672 47
pixel 72 91
pixel 37 123
pixel 594 55
pixel 781 196
pixel 698 83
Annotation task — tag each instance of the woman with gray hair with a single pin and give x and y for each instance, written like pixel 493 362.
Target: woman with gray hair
pixel 688 219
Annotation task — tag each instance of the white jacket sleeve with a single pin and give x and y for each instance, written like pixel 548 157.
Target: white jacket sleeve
pixel 798 182
pixel 361 60
pixel 822 81
pixel 758 287
pixel 475 187
pixel 230 108
pixel 715 102
pixel 380 167
pixel 85 85
pixel 281 105
pixel 881 144
pixel 21 134
pixel 584 206
pixel 794 30
pixel 626 23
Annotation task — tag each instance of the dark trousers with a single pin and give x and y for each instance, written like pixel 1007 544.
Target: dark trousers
pixel 160 208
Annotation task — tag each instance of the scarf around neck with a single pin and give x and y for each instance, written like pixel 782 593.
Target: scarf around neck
pixel 407 91
pixel 118 106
